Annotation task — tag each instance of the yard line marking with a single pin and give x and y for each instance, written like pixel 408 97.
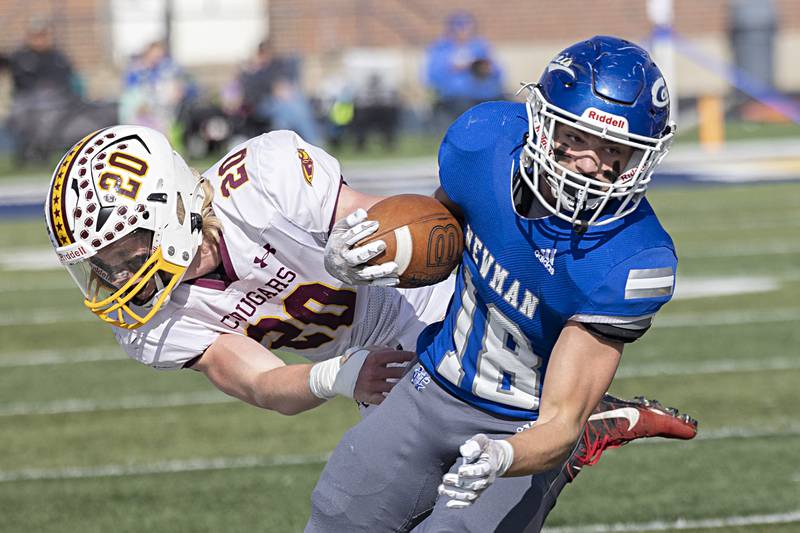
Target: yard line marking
pixel 683 523
pixel 742 250
pixel 38 285
pixel 41 358
pixel 28 259
pixel 41 259
pixel 96 355
pixel 669 320
pixel 673 226
pixel 125 403
pixel 792 429
pixel 727 318
pixel 223 463
pixel 41 317
pixel 163 467
pixel 722 366
pixel 151 401
pixel 706 287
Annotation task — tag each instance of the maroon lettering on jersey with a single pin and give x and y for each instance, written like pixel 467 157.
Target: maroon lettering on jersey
pixel 275 333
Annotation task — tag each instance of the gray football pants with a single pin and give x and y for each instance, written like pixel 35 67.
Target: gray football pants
pixel 384 474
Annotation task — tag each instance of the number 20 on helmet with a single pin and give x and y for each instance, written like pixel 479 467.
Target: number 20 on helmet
pixel 123 214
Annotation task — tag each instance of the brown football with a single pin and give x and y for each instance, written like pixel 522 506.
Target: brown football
pixel 421 235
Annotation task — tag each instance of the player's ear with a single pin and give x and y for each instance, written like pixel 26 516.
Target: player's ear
pixel 440 195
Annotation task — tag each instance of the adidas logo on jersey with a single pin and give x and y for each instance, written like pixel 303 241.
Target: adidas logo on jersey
pixel 547 257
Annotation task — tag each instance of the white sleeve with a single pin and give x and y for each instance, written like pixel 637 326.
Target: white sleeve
pixel 301 180
pixel 166 344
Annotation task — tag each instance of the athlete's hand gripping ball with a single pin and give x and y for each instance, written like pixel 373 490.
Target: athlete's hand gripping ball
pixel 348 263
pixel 484 460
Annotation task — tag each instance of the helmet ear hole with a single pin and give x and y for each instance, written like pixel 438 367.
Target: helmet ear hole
pixel 102 217
pixel 197 222
pixel 180 209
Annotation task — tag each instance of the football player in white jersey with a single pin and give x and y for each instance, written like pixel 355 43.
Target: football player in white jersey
pixel 216 272
pixel 213 273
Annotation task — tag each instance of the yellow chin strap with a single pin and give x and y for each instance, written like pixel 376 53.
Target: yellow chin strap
pixel 117 303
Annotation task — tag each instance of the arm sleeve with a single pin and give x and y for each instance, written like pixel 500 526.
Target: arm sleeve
pixel 166 345
pixel 621 307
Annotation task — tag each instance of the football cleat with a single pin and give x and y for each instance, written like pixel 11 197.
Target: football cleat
pixel 616 422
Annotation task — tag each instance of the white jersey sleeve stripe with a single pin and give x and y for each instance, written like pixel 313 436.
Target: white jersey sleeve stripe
pixel 649 283
pixel 631 321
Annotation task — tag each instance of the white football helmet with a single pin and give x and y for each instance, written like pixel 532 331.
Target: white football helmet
pixel 123 214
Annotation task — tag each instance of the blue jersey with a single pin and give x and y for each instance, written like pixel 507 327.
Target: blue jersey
pixel 521 280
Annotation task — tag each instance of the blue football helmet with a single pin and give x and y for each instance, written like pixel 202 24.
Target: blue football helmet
pixel 610 88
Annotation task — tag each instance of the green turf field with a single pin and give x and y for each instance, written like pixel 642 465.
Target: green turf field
pixel 94 443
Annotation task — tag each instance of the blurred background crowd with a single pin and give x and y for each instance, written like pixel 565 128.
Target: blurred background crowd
pixel 356 72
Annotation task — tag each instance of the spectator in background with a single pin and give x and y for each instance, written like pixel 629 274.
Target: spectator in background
pixel 271 97
pixel 752 27
pixel 38 64
pixel 155 91
pixel 460 69
pixel 358 102
pixel 376 112
pixel 44 85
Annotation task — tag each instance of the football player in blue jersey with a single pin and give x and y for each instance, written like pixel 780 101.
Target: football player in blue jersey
pixel 564 263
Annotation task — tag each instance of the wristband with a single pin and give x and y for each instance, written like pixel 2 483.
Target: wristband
pixel 337 375
pixel 322 377
pixel 508 456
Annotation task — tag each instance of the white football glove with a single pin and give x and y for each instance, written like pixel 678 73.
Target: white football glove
pixel 484 460
pixel 344 262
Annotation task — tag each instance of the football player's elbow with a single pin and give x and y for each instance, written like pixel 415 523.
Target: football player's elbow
pixel 564 449
pixel 564 442
pixel 279 401
pixel 288 409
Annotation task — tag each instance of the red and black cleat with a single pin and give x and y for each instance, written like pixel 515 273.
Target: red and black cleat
pixel 616 422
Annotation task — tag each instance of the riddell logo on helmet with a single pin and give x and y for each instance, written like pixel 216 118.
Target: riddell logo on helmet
pixel 72 255
pixel 600 118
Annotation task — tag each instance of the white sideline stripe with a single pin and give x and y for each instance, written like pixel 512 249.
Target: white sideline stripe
pixel 683 523
pixel 43 358
pixel 44 259
pixel 61 284
pixel 47 316
pixel 726 318
pixel 673 320
pixel 28 259
pixel 742 250
pixel 223 463
pixel 164 467
pixel 731 432
pixel 39 358
pixel 124 403
pixel 705 287
pixel 708 367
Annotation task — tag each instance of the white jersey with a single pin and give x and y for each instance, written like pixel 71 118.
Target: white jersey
pixel 276 198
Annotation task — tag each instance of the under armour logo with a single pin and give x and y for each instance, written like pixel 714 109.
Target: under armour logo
pixel 262 261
